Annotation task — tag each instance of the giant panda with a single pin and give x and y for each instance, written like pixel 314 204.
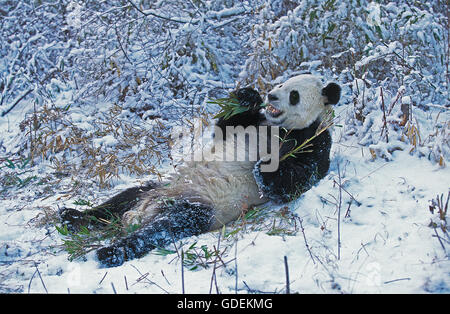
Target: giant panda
pixel 205 195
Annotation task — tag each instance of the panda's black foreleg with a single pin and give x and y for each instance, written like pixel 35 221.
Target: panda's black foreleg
pixel 178 220
pixel 288 182
pixel 295 174
pixel 114 207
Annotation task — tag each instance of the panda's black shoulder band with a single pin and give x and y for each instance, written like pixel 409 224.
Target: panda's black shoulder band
pixel 298 174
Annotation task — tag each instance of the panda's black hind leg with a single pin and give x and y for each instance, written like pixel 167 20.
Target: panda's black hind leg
pixel 114 207
pixel 178 219
pixel 73 219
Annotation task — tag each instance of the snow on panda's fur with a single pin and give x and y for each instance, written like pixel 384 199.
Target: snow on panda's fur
pixel 204 195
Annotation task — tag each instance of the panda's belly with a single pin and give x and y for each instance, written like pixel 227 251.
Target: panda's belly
pixel 226 182
pixel 228 186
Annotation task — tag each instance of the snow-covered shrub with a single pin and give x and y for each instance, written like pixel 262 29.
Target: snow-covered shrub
pixel 33 45
pixel 162 57
pixel 391 56
pixel 101 147
pixel 72 60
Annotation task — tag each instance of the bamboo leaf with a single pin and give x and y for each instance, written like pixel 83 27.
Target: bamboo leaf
pixel 229 107
pixel 301 148
pixel 10 164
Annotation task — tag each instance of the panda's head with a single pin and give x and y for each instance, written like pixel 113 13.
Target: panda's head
pixel 299 101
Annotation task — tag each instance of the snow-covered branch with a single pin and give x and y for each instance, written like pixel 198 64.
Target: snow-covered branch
pixel 213 15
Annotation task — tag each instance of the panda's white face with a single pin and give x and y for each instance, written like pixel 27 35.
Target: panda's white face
pixel 296 103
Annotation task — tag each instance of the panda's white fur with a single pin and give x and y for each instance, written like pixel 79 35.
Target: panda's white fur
pixel 229 186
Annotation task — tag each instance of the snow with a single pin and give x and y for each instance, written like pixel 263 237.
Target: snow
pixel 386 243
pixel 374 16
pixel 379 240
pixel 108 140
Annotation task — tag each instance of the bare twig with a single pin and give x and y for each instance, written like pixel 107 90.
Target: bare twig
pixel 100 282
pixel 151 13
pixel 144 276
pixel 235 268
pixel 363 247
pixel 4 113
pixel 286 269
pixel 385 128
pixel 182 271
pixel 390 281
pixel 40 277
pixel 304 238
pixel 213 276
pixel 251 290
pixel 352 197
pixel 162 273
pixel 405 63
pixel 121 47
pixel 367 175
pixel 439 239
pixel 224 14
pixel 339 211
pixel 113 288
pixel 31 279
pixel 399 94
pixel 440 107
pixel 174 244
pixel 347 213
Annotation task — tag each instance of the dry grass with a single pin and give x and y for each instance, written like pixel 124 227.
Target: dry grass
pixel 439 208
pixel 80 151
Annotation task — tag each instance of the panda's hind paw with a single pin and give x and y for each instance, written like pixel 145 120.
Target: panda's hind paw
pixel 111 256
pixel 72 218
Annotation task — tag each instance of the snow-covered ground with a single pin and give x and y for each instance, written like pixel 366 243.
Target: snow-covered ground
pixel 386 243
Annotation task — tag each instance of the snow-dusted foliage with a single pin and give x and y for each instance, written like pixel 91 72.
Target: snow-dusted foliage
pixel 162 57
pixel 33 47
pixel 92 68
pixel 392 56
pixel 354 39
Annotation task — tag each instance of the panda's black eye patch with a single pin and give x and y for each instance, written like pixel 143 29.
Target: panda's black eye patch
pixel 294 97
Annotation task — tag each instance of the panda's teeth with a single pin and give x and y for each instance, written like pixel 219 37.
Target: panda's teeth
pixel 273 111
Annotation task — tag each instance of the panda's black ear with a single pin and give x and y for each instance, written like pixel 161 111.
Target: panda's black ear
pixel 333 92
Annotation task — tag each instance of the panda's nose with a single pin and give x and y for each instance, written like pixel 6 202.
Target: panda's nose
pixel 272 97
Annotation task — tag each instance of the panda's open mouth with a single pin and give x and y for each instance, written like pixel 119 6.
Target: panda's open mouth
pixel 272 111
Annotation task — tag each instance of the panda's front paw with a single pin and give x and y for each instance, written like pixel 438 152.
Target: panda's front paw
pixel 260 176
pixel 265 180
pixel 111 256
pixel 248 97
pixel 73 219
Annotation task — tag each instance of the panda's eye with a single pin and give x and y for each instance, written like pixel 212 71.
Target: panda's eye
pixel 294 97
